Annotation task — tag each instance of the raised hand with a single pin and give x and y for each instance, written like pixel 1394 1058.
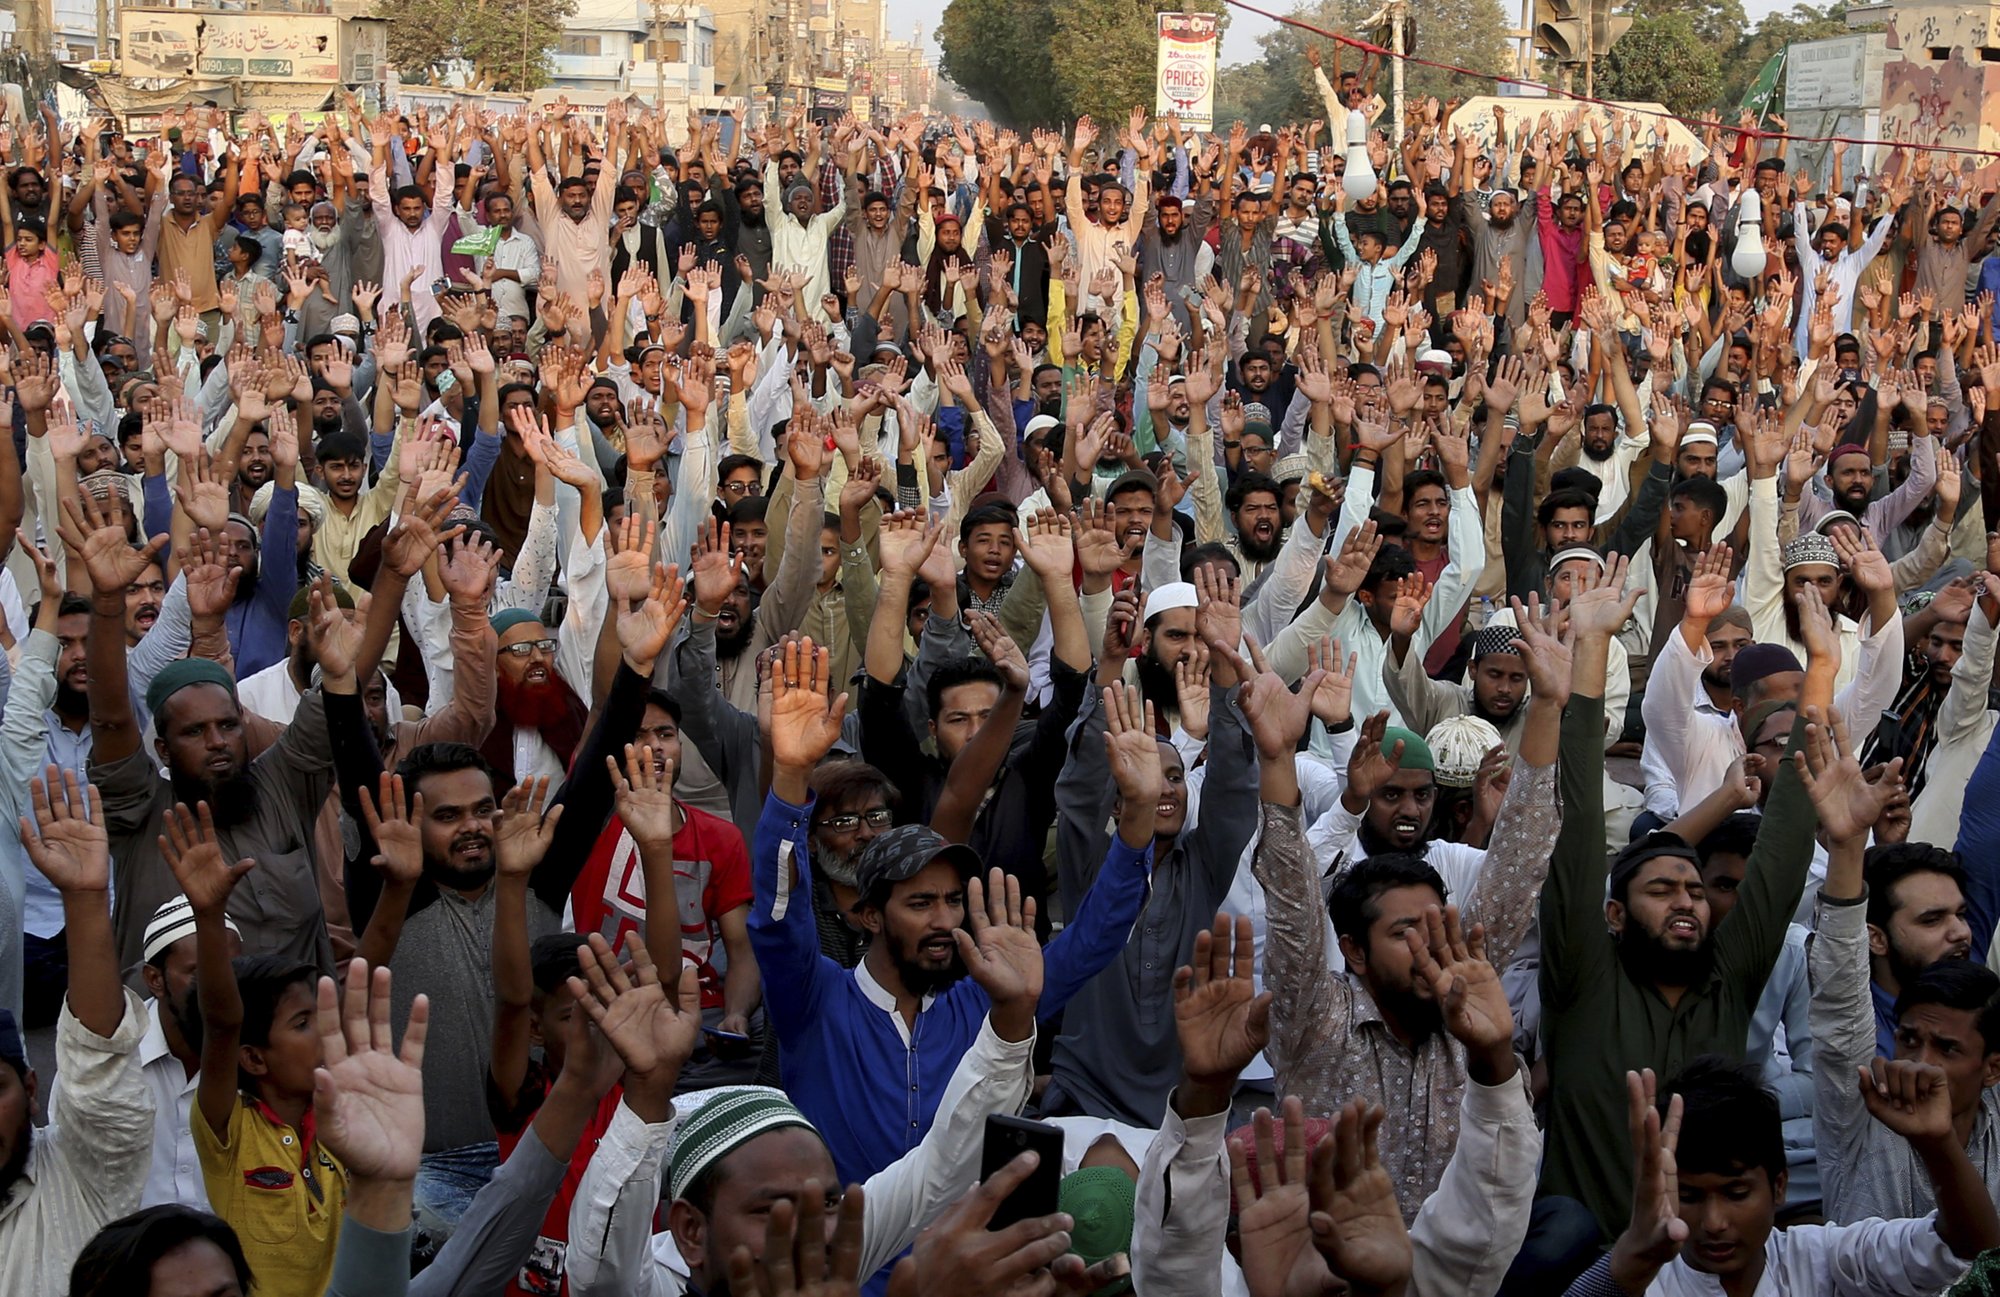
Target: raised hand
pixel 526 827
pixel 644 796
pixel 396 828
pixel 211 582
pixel 906 540
pixel 1356 1222
pixel 805 718
pixel 1847 801
pixel 1656 1231
pixel 1000 649
pixel 1599 603
pixel 1045 544
pixel 1909 1097
pixel 367 1098
pixel 1221 1020
pixel 1546 654
pixel 1273 1210
pixel 1453 962
pixel 1132 747
pixel 97 537
pixel 1346 570
pixel 1368 766
pixel 1710 591
pixel 798 1260
pixel 1277 716
pixel 960 1254
pixel 191 851
pixel 644 628
pixel 1333 700
pixel 1000 951
pixel 65 838
pixel 647 1026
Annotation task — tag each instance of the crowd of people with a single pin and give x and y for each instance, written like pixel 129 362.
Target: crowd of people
pixel 1436 728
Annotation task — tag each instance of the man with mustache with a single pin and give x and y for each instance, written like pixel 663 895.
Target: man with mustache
pixel 868 1054
pixel 446 842
pixel 263 807
pixel 540 717
pixel 1602 999
pixel 1340 1023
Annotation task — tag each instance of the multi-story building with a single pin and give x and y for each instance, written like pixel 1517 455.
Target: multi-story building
pixel 658 50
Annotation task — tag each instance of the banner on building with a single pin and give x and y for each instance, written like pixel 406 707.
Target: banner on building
pixel 1186 79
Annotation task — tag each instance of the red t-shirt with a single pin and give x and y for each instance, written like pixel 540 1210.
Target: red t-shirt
pixel 711 878
pixel 542 1273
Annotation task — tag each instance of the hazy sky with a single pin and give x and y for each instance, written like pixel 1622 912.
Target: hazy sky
pixel 1239 46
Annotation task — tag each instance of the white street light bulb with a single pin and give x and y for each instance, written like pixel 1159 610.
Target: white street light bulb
pixel 1749 258
pixel 1358 181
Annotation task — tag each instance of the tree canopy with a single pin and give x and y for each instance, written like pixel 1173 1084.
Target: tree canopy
pixel 1035 63
pixel 507 43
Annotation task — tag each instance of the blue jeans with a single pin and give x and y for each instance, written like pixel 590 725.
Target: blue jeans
pixel 447 1182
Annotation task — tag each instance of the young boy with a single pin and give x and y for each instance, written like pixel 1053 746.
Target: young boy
pixel 1710 1173
pixel 266 1173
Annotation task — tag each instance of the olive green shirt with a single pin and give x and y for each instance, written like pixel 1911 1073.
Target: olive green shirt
pixel 1598 1022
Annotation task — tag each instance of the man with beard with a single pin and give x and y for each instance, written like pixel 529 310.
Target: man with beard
pixel 727 1158
pixel 265 560
pixel 1256 534
pixel 1117 1057
pixel 1495 688
pixel 1503 232
pixel 61 1184
pixel 1931 1005
pixel 1909 729
pixel 515 264
pixel 743 627
pixel 253 468
pixel 855 803
pixel 263 807
pixel 753 232
pixel 170 1054
pixel 1367 1023
pixel 1668 984
pixel 871 1052
pixel 573 219
pixel 274 692
pixel 1775 573
pixel 447 845
pixel 1851 476
pixel 540 718
pixel 1608 456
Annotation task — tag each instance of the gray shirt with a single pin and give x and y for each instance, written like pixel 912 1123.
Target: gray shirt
pixel 1867 1169
pixel 446 952
pixel 1119 1056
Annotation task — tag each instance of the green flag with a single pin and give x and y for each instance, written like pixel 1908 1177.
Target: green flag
pixel 1757 98
pixel 480 244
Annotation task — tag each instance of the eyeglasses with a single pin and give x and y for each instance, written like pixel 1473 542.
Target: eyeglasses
pixel 529 646
pixel 878 818
pixel 739 488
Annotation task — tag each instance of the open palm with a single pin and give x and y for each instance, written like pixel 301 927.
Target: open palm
pixel 370 1102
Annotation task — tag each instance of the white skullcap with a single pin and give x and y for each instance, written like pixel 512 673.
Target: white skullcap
pixel 311 503
pixel 172 921
pixel 1038 423
pixel 1458 744
pixel 1174 594
pixel 1699 432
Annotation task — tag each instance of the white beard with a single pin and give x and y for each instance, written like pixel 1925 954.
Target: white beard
pixel 323 241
